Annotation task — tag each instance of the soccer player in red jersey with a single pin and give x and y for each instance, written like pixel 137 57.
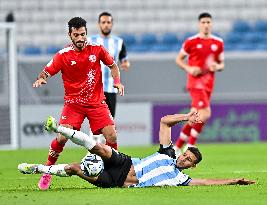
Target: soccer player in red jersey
pixel 79 64
pixel 205 53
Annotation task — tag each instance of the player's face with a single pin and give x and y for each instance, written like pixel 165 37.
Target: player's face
pixel 186 160
pixel 105 25
pixel 205 25
pixel 78 37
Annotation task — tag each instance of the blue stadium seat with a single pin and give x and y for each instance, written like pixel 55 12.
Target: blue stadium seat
pixel 233 38
pixel 148 39
pixel 129 39
pixel 260 26
pixel 187 35
pixel 161 48
pixel 241 26
pixel 230 46
pixel 262 46
pixel 169 39
pixel 138 48
pixel 247 46
pixel 52 49
pixel 31 50
pixel 253 37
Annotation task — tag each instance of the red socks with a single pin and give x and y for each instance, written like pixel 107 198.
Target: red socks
pixel 195 131
pixel 55 149
pixel 184 134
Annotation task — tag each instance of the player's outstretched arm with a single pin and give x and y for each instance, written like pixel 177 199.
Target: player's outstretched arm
pixel 168 121
pixel 203 182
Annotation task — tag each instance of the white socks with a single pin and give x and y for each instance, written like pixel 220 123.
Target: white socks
pixel 53 170
pixel 77 137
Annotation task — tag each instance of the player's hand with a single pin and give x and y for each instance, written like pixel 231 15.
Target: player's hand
pixel 213 67
pixel 120 88
pixel 39 83
pixel 194 70
pixel 193 117
pixel 125 65
pixel 243 181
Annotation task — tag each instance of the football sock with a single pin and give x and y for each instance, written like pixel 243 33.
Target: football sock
pixel 58 170
pixel 55 149
pixel 195 131
pixel 77 137
pixel 112 145
pixel 184 134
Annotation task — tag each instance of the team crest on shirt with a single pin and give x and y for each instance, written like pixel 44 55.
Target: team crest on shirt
pixel 92 58
pixel 214 47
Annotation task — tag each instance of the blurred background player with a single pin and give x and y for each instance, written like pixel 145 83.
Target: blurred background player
pixel 116 47
pixel 205 54
pixel 79 64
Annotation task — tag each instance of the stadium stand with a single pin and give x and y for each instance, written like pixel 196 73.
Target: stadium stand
pixel 164 21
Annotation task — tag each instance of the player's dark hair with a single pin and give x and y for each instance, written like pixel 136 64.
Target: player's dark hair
pixel 105 13
pixel 76 22
pixel 196 152
pixel 204 15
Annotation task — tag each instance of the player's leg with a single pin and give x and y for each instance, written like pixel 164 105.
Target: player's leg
pixel 70 117
pixel 202 103
pixel 58 169
pixel 199 101
pixel 197 128
pixel 79 138
pixel 184 135
pixel 101 121
pixel 111 100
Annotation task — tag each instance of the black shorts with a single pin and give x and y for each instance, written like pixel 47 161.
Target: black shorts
pixel 111 100
pixel 115 171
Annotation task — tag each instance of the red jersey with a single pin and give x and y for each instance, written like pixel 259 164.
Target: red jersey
pixel 202 52
pixel 81 73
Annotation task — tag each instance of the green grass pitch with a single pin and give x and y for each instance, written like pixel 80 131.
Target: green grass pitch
pixel 219 161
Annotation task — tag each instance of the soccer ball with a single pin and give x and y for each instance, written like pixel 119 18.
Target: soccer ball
pixel 92 165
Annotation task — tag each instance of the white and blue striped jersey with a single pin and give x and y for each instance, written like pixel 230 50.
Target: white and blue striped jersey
pixel 158 170
pixel 116 48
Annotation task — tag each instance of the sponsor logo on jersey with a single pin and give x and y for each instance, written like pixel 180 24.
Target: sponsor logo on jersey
pixel 73 63
pixel 92 58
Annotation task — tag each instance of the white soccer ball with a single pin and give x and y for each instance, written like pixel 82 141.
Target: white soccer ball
pixel 92 165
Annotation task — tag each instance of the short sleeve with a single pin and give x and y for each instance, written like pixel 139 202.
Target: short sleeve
pixel 123 53
pixel 167 151
pixel 105 57
pixel 186 47
pixel 221 52
pixel 54 65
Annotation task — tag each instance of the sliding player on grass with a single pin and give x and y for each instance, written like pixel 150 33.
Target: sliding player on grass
pixel 120 170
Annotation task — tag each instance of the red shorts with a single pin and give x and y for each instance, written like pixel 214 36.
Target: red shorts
pixel 98 116
pixel 200 98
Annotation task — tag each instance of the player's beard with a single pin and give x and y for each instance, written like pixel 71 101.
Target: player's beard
pixel 79 44
pixel 106 33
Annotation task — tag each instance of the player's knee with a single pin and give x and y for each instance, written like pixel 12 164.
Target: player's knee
pixel 111 136
pixel 61 139
pixel 102 150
